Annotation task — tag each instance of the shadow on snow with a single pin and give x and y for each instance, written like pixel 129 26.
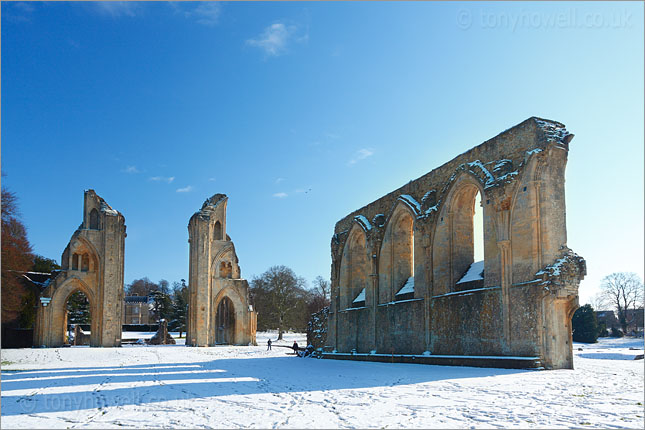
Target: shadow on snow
pixel 199 380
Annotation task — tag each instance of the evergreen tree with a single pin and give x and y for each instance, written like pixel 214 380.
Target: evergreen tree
pixel 78 309
pixel 161 305
pixel 584 325
pixel 44 264
pixel 179 307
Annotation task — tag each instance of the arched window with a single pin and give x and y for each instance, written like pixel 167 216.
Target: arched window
pixel 458 248
pixel 75 261
pixel 396 263
pixel 94 219
pixel 354 271
pixel 85 264
pixel 217 231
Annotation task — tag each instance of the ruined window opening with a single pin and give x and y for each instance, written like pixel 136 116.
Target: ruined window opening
pixel 75 258
pixel 225 269
pixel 77 311
pixel 478 229
pixel 85 263
pixel 396 264
pixel 355 269
pixel 94 219
pixel 217 231
pixel 469 255
pixel 459 241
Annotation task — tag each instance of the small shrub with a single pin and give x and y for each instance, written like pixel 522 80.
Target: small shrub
pixel 616 333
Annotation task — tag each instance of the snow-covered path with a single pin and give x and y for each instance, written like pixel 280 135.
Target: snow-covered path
pixel 176 386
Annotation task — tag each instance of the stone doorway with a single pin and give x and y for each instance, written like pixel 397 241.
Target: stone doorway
pixel 225 318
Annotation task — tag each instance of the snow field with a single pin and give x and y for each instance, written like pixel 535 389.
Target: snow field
pixel 234 386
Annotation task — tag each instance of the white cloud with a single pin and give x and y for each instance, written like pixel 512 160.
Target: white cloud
pixel 18 11
pixel 205 13
pixel 280 195
pixel 185 189
pixel 211 179
pixel 168 179
pixel 276 37
pixel 361 154
pixel 115 9
pixel 278 180
pixel 131 169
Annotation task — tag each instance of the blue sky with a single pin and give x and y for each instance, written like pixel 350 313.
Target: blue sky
pixel 303 112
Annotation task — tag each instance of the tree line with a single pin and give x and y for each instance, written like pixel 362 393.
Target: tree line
pixel 621 292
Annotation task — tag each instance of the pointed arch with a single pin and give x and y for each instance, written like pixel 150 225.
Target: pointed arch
pixel 453 240
pixel 227 318
pixel 230 269
pixel 94 219
pixel 396 258
pixel 88 260
pixel 354 267
pixel 58 304
pixel 217 231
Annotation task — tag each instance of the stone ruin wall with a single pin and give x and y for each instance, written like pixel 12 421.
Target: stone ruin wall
pixel 92 262
pixel 214 277
pixel 529 291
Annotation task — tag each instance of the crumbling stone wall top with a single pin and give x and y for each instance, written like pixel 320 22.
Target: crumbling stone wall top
pixel 425 194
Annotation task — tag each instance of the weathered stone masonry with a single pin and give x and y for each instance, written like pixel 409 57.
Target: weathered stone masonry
pixel 92 263
pixel 421 236
pixel 218 304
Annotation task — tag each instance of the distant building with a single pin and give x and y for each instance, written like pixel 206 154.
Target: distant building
pixel 634 320
pixel 137 310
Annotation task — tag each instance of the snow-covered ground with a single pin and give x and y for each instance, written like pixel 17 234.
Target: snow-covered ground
pixel 176 386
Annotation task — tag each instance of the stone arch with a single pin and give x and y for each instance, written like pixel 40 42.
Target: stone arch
pixel 94 219
pixel 354 267
pixel 60 296
pixel 396 258
pixel 453 240
pixel 88 260
pixel 224 265
pixel 228 316
pixel 217 231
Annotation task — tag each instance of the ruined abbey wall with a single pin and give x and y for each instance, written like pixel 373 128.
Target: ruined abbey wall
pixel 219 311
pixel 398 261
pixel 93 263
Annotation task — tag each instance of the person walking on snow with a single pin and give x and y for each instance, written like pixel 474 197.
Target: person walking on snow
pixel 269 345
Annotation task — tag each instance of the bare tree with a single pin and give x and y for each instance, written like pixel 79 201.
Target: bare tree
pixel 318 295
pixel 279 297
pixel 623 291
pixel 141 287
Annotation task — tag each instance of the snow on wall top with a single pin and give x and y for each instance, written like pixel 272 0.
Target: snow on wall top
pixel 360 297
pixel 407 288
pixel 209 205
pixel 475 273
pixel 496 162
pixel 103 205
